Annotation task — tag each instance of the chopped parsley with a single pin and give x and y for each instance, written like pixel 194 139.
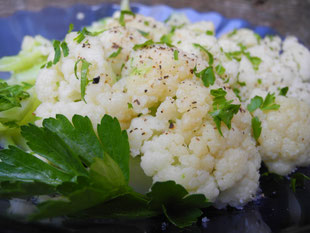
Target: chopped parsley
pixel 115 54
pixel 82 34
pixel 122 16
pixel 209 33
pixel 129 105
pixel 71 26
pixel 206 51
pixel 269 103
pixel 258 38
pixel 56 45
pixel 242 84
pixel 283 91
pixel 143 45
pixel 143 33
pixel 259 81
pixel 297 180
pixel 256 127
pixel 220 69
pixel 223 110
pixel 84 71
pixel 231 34
pixel 146 23
pixel 255 103
pixel 207 76
pixel 65 49
pixel 176 55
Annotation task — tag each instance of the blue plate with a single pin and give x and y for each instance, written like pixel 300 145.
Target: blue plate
pixel 280 209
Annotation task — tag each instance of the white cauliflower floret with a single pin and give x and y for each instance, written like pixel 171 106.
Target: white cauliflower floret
pixel 285 137
pixel 189 149
pixel 151 74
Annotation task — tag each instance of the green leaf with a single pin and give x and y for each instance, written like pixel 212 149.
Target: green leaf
pixel 256 102
pixel 298 180
pixel 17 165
pixel 52 147
pixel 84 71
pixel 143 45
pixel 106 183
pixel 71 26
pixel 283 91
pixel 143 33
pixel 231 34
pixel 254 60
pixel 64 48
pixel 220 69
pixel 209 33
pixel 223 110
pixel 115 142
pixel 18 189
pixel 176 55
pixel 256 127
pixel 122 16
pixel 78 136
pixel 11 95
pixel 211 59
pixel 208 77
pixel 128 206
pixel 115 54
pixel 179 207
pixel 269 103
pixel 56 45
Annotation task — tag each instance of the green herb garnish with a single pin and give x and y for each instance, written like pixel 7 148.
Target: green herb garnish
pixel 56 45
pixel 122 16
pixel 223 110
pixel 84 71
pixel 176 55
pixel 115 54
pixel 143 33
pixel 71 26
pixel 256 127
pixel 269 103
pixel 298 180
pixel 65 49
pixel 256 102
pixel 283 91
pixel 143 45
pixel 234 32
pixel 220 69
pixel 206 51
pixel 207 76
pixel 209 33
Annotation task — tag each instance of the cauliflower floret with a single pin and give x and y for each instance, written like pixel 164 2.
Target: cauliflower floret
pixel 285 136
pixel 189 149
pixel 155 29
pixel 151 74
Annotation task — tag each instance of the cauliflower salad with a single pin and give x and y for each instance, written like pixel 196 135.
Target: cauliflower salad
pixel 202 111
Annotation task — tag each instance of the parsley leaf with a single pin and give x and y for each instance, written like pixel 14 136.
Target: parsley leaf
pixel 176 55
pixel 220 69
pixel 207 76
pixel 64 48
pixel 254 60
pixel 56 45
pixel 82 34
pixel 115 54
pixel 11 95
pixel 143 45
pixel 223 110
pixel 256 102
pixel 269 103
pixel 179 207
pixel 256 127
pixel 122 16
pixel 209 33
pixel 84 71
pixel 71 26
pixel 211 59
pixel 231 34
pixel 297 180
pixel 283 91
pixel 143 33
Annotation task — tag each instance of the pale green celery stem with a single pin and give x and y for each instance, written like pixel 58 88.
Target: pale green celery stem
pixel 22 61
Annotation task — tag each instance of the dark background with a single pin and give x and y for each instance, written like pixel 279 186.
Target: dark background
pixel 287 17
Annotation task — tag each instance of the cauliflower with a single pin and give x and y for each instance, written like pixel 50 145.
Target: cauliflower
pixel 182 143
pixel 285 138
pixel 157 97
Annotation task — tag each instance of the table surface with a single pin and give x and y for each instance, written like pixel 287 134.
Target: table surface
pixel 287 17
